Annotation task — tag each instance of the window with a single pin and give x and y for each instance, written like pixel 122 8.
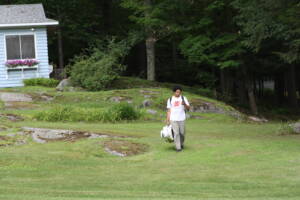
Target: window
pixel 20 47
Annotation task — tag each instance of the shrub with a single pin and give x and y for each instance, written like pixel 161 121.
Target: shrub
pixel 73 114
pixel 101 68
pixel 122 111
pixel 46 82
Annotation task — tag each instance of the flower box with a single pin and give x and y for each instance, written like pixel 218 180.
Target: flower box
pixel 21 64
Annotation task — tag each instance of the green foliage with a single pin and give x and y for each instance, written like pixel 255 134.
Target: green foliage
pixel 208 41
pixel 120 112
pixel 47 82
pixel 101 68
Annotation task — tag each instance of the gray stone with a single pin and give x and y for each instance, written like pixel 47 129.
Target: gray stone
pixel 14 97
pixel 257 119
pixel 152 112
pixel 64 84
pixel 20 142
pixel 95 136
pixel 46 98
pixel 40 135
pixel 296 127
pixel 11 135
pixel 115 153
pixel 147 103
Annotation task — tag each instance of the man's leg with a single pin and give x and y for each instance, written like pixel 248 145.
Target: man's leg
pixel 182 132
pixel 176 130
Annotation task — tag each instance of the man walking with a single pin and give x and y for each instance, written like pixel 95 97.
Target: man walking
pixel 177 106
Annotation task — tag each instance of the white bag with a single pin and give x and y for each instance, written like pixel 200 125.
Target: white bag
pixel 167 133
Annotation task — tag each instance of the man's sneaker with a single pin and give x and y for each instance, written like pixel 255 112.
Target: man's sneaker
pixel 182 147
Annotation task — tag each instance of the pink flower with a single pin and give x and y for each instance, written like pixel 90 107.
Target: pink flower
pixel 16 63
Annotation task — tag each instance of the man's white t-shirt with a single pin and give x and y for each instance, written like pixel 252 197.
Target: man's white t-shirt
pixel 177 109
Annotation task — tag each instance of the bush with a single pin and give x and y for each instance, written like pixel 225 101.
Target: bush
pixel 46 82
pixel 116 113
pixel 101 68
pixel 122 111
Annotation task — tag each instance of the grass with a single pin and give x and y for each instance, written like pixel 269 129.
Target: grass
pixel 221 161
pixel 224 159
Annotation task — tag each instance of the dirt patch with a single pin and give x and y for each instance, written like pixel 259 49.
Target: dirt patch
pixel 17 105
pixel 5 141
pixel 124 148
pixel 11 117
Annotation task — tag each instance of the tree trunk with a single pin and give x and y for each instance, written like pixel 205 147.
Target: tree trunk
pixel 150 48
pixel 279 90
pixel 107 16
pixel 60 52
pixel 252 101
pixel 222 81
pixel 174 54
pixel 249 89
pixel 291 87
pixel 241 87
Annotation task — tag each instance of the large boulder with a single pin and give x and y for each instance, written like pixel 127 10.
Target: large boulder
pixel 146 103
pixel 296 127
pixel 64 84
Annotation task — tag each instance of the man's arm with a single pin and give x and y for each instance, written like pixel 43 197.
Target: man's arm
pixel 186 104
pixel 168 116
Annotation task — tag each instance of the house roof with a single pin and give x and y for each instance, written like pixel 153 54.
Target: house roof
pixel 24 15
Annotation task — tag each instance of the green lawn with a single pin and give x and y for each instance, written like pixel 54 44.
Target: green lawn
pixel 223 159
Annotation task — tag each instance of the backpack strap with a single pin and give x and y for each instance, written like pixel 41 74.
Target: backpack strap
pixel 170 99
pixel 182 97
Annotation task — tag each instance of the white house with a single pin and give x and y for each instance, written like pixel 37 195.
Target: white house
pixel 23 43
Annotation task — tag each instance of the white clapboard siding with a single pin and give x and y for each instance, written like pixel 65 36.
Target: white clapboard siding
pixel 15 78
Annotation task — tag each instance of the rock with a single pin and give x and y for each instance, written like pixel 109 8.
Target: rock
pixel 118 99
pixel 147 92
pixel 147 96
pixel 257 119
pixel 64 84
pixel 197 117
pixel 3 128
pixel 42 135
pixel 115 153
pixel 15 97
pixel 152 112
pixel 206 108
pixel 46 98
pixel 95 136
pixel 296 127
pixel 147 103
pixel 11 135
pixel 20 142
pixel 12 117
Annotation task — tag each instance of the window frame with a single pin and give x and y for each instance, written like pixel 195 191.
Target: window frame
pixel 20 34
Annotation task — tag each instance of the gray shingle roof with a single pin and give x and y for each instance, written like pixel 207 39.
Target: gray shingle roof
pixel 24 14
